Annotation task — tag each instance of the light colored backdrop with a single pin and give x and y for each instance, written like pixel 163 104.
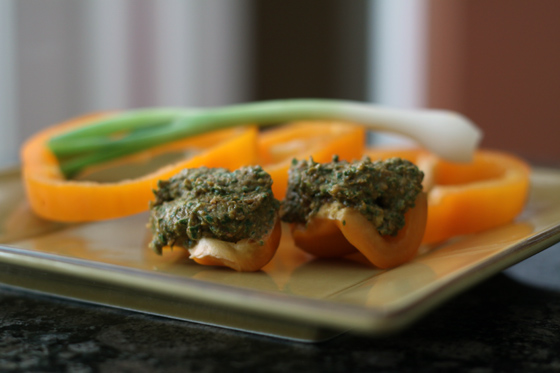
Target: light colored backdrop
pixel 61 58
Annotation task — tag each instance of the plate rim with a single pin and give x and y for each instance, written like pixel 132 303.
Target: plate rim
pixel 371 320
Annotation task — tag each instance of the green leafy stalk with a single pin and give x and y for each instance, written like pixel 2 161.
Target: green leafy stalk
pixel 180 123
pixel 447 134
pixel 103 132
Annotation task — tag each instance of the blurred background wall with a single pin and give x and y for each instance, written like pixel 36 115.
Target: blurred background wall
pixel 495 61
pixel 62 58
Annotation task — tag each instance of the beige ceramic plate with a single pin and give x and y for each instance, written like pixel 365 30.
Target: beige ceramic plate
pixel 295 296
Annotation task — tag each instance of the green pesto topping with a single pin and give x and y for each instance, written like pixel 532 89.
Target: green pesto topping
pixel 382 191
pixel 212 203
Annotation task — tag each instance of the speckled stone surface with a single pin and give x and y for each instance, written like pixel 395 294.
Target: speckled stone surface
pixel 501 325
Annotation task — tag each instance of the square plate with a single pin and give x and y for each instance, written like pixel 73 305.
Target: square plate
pixel 295 296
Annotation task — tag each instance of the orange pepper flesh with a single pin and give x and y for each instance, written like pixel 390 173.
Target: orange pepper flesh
pixel 320 140
pixel 489 192
pixel 248 256
pixel 351 232
pixel 53 197
pixel 321 237
pixel 387 251
pixel 467 198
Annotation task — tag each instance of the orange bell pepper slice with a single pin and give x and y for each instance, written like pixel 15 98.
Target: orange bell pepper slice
pixel 486 193
pixel 243 256
pixel 53 197
pixel 303 139
pixel 347 230
pixel 467 198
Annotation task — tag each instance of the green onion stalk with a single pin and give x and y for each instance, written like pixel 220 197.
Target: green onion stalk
pixel 447 134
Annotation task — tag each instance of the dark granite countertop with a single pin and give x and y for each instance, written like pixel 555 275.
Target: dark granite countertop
pixel 509 323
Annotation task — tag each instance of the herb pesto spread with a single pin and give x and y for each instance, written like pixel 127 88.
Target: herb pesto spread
pixel 212 203
pixel 382 191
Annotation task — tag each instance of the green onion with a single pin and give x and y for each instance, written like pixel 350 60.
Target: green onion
pixel 447 134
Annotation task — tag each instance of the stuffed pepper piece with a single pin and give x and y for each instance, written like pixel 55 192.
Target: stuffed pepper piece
pixel 377 208
pixel 222 218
